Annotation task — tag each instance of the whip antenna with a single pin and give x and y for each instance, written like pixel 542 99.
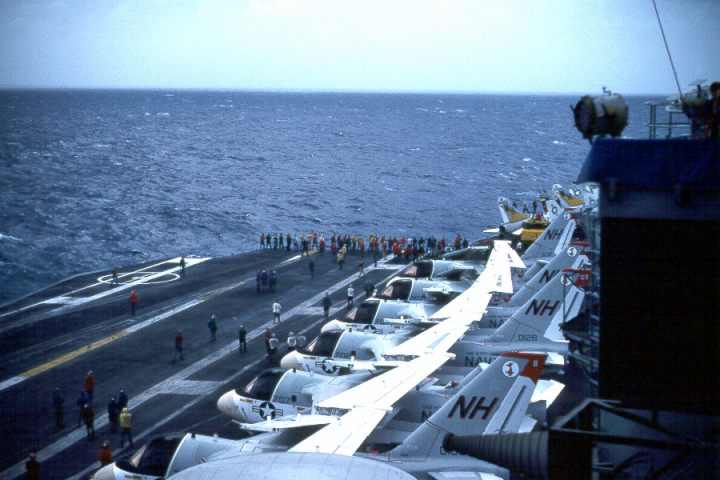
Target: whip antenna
pixel 667 49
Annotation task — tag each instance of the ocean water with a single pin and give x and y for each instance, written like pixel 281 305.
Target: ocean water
pixel 99 179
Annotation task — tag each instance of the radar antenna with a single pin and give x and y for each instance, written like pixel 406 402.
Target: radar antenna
pixel 667 49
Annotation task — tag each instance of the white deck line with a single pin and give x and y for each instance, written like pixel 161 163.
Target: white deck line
pixel 83 473
pixel 49 300
pixel 126 286
pixel 70 302
pixel 166 385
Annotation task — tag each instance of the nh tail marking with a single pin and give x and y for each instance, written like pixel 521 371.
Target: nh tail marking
pixel 469 410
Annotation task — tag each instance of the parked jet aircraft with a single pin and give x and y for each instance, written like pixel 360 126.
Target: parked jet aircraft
pixel 284 394
pixel 534 327
pixel 376 314
pixel 554 239
pixel 382 315
pixel 511 218
pixel 527 329
pixel 499 311
pixel 334 351
pixel 494 401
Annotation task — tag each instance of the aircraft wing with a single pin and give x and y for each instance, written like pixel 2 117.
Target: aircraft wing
pixel 344 436
pixel 512 256
pixel 367 404
pixel 468 307
pixel 386 389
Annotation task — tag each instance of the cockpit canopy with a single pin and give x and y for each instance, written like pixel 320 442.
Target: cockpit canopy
pixel 153 458
pixel 422 269
pixel 262 386
pixel 363 313
pixel 323 345
pixel 398 289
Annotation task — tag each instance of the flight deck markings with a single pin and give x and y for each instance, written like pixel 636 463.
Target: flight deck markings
pixel 101 421
pixel 66 300
pixel 304 308
pixel 230 380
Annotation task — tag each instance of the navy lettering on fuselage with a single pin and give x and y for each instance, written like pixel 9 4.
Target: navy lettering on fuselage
pixel 542 307
pixel 552 234
pixel 468 409
pixel 548 275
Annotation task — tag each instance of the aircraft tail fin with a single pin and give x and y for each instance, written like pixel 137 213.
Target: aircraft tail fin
pixel 557 299
pixel 508 213
pixel 553 240
pixel 495 401
pixel 569 258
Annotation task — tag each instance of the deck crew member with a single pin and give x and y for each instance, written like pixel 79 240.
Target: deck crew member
pixel 122 399
pixel 133 302
pixel 291 341
pixel 276 308
pixel 105 454
pixel 126 427
pixel 88 415
pixel 350 296
pixel 182 265
pixel 32 468
pixel 369 287
pixel 89 385
pixel 326 303
pixel 212 326
pixel 242 339
pixel 59 407
pixel 272 346
pixel 113 414
pixel 272 280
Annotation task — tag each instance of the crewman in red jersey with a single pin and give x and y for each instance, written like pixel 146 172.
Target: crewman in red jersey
pixel 133 302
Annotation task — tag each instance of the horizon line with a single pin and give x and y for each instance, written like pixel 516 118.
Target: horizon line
pixel 314 90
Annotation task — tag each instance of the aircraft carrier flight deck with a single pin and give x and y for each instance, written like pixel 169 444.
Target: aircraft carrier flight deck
pixel 52 338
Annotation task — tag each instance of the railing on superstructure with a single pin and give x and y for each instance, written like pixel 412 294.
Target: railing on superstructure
pixel 672 122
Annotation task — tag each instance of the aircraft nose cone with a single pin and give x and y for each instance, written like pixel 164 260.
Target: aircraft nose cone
pixel 105 473
pixel 333 326
pixel 226 404
pixel 291 360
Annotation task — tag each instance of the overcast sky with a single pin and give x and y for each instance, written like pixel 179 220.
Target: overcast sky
pixel 386 45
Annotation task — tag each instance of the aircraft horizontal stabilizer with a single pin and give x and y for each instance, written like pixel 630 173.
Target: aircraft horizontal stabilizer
pixel 285 423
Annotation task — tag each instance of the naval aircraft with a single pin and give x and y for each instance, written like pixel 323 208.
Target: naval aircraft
pixel 278 394
pixel 500 309
pixel 341 351
pixel 553 240
pixel 441 270
pixel 493 401
pixel 533 327
pixel 384 316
